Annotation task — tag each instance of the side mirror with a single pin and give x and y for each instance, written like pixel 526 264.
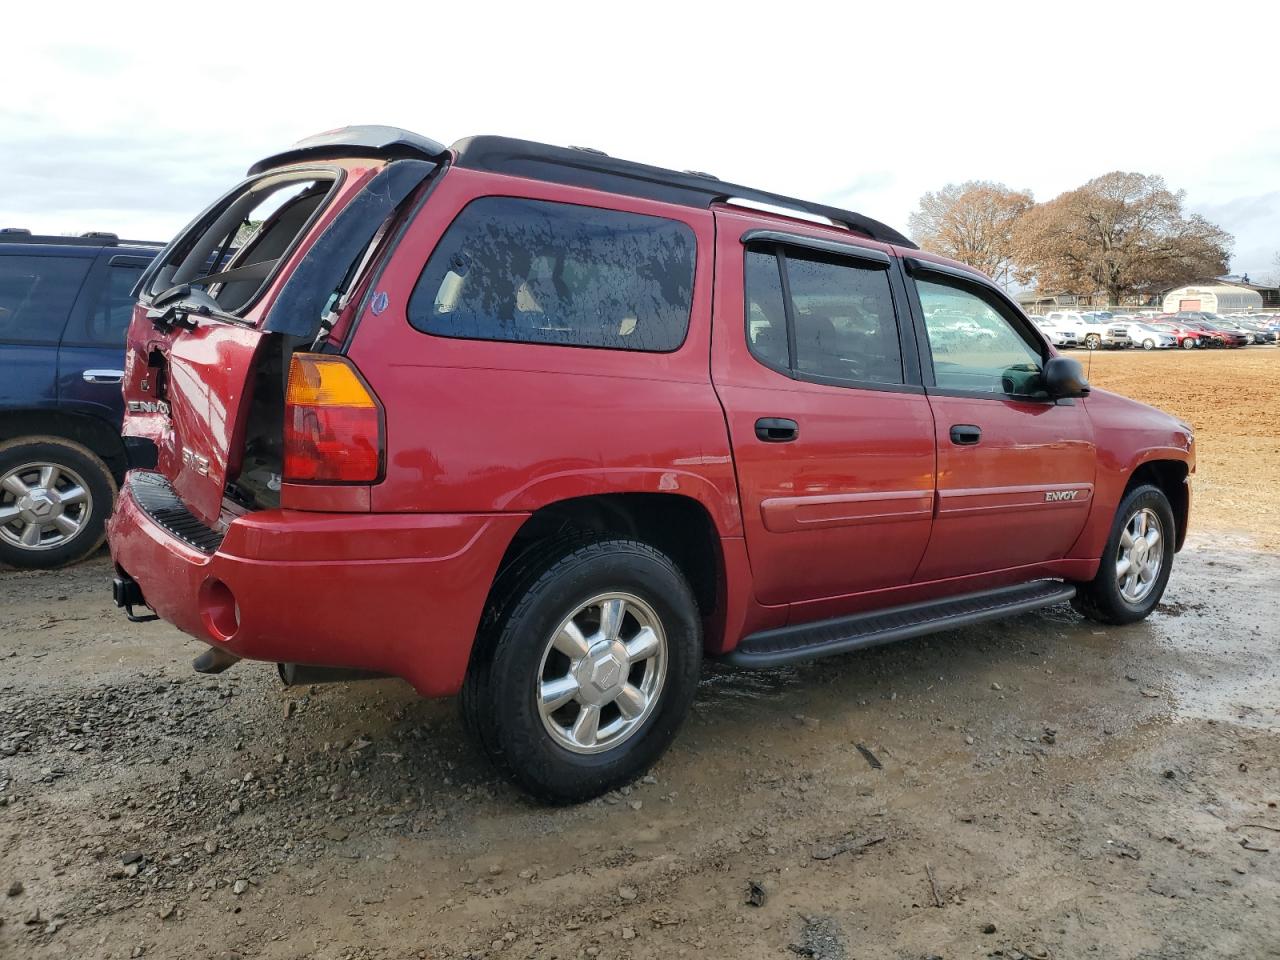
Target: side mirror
pixel 1064 377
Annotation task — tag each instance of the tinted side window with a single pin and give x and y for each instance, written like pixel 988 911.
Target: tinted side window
pixel 974 347
pixel 36 294
pixel 531 271
pixel 841 313
pixel 766 314
pixel 109 318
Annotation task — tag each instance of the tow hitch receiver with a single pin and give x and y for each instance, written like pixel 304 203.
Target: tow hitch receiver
pixel 128 594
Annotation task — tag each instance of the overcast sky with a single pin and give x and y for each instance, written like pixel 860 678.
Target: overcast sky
pixel 131 118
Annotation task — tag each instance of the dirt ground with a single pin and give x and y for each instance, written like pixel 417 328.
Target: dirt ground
pixel 1045 788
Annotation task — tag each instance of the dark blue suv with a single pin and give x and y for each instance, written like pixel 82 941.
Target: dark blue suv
pixel 65 304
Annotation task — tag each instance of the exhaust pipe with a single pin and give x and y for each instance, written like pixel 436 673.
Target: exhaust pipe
pixel 299 674
pixel 214 660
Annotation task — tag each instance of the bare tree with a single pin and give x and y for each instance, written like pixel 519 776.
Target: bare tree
pixel 971 222
pixel 1121 234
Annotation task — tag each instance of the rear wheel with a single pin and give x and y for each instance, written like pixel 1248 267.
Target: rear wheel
pixel 1135 563
pixel 585 667
pixel 55 497
pixel 1093 341
pixel 1148 344
pixel 1188 344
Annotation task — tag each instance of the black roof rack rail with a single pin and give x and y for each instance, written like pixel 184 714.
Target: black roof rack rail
pixel 572 166
pixel 584 168
pixel 366 140
pixel 86 240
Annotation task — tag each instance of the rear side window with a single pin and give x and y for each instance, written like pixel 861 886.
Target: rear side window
pixel 109 316
pixel 822 318
pixel 36 294
pixel 532 271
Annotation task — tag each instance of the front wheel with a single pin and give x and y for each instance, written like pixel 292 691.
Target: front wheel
pixel 1093 341
pixel 585 667
pixel 55 497
pixel 1188 344
pixel 1148 344
pixel 1136 561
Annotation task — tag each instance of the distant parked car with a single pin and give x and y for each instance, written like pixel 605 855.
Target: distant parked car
pixel 65 304
pixel 1261 333
pixel 1092 330
pixel 1150 338
pixel 1221 336
pixel 1060 333
pixel 1185 336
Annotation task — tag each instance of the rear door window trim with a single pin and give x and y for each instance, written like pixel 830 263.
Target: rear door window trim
pixel 776 243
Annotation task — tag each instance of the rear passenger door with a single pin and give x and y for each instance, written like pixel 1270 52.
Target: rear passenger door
pixel 833 439
pixel 91 356
pixel 37 292
pixel 1015 472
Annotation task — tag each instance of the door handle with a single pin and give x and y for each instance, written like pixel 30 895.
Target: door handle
pixel 777 429
pixel 965 434
pixel 102 376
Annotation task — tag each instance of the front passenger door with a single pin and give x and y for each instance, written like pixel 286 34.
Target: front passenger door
pixel 1015 472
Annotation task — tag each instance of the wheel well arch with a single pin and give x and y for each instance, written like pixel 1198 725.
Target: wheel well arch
pixel 97 435
pixel 1170 476
pixel 678 525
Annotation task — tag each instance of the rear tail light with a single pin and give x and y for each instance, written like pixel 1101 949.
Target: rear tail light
pixel 332 423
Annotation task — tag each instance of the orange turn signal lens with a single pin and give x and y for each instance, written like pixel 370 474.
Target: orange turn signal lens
pixel 321 380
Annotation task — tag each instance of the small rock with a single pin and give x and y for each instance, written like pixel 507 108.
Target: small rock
pixel 211 846
pixel 235 806
pixel 137 952
pixel 989 928
pixel 132 869
pixel 1050 736
pixel 969 741
pixel 131 856
pixel 289 707
pixel 495 869
pixel 168 911
pixel 628 933
pixel 627 893
pixel 239 887
pixel 756 893
pixel 636 804
pixel 996 686
pixel 649 779
pixel 16 888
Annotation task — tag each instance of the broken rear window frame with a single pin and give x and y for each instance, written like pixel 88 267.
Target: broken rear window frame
pixel 179 249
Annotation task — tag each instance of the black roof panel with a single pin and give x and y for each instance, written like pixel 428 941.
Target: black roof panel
pixel 588 168
pixel 572 166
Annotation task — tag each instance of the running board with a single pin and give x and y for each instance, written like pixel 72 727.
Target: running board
pixel 825 638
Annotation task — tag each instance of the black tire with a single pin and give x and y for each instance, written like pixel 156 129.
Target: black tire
pixel 1092 342
pixel 1101 599
pixel 1188 344
pixel 75 463
pixel 1148 344
pixel 533 596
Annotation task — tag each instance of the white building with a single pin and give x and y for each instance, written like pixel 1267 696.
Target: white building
pixel 1219 296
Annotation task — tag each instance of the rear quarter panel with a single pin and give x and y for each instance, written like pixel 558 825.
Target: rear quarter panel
pixel 484 426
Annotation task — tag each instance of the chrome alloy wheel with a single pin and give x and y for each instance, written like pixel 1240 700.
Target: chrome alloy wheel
pixel 42 505
pixel 602 673
pixel 1139 556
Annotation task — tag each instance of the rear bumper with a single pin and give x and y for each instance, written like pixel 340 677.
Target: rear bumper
pixel 393 593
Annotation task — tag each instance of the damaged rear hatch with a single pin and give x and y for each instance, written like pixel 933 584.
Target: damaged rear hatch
pixel 263 271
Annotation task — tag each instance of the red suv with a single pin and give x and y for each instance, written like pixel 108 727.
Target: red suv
pixel 545 428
